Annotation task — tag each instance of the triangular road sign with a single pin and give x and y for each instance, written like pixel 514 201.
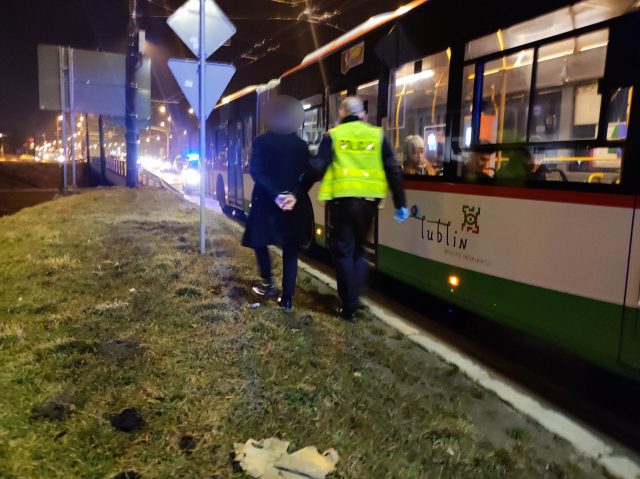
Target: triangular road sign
pixel 186 23
pixel 217 77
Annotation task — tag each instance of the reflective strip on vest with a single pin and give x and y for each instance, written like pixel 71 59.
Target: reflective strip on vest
pixel 356 170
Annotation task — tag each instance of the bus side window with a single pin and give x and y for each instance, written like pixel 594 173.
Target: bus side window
pixel 567 101
pixel 368 93
pixel 334 105
pixel 313 127
pixel 564 93
pixel 417 110
pixel 248 141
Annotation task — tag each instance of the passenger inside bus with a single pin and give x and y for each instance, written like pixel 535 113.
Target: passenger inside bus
pixel 477 167
pixel 520 166
pixel 415 162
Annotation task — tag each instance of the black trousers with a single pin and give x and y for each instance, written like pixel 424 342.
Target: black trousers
pixel 351 220
pixel 289 267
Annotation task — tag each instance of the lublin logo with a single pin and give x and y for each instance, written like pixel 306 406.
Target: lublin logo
pixel 441 232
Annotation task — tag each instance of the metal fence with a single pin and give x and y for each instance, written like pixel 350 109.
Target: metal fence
pixel 117 166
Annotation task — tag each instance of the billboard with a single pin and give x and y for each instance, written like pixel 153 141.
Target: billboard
pixel 99 80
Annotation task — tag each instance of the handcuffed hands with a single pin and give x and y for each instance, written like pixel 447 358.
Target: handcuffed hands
pixel 286 201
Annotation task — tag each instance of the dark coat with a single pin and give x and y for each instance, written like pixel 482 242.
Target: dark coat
pixel 278 163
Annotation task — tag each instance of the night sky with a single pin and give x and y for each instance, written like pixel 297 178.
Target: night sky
pixel 273 35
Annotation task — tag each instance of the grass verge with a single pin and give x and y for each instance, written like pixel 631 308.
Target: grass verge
pixel 106 305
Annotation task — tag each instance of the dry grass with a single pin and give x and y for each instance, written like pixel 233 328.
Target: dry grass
pixel 111 307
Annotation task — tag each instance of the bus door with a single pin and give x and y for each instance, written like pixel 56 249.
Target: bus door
pixel 630 344
pixel 235 162
pixel 368 93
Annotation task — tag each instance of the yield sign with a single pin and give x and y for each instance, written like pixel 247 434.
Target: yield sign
pixel 186 23
pixel 217 77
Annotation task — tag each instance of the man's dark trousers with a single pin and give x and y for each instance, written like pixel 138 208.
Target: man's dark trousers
pixel 351 220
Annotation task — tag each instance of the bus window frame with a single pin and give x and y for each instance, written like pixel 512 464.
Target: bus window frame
pixel 600 141
pixel 452 107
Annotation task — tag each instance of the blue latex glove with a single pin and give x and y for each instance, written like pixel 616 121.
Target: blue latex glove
pixel 401 215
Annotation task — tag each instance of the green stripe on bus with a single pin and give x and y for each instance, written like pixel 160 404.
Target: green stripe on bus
pixel 587 327
pixel 320 239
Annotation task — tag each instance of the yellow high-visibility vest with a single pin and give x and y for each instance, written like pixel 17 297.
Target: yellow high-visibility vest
pixel 357 170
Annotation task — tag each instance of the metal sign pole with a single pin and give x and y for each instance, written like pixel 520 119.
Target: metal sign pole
pixel 74 182
pixel 203 123
pixel 220 29
pixel 63 109
pixel 131 92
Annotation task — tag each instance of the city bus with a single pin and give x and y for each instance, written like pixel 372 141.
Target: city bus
pixel 528 119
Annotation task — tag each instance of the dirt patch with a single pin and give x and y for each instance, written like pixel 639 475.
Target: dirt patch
pixel 119 349
pixel 128 475
pixel 53 410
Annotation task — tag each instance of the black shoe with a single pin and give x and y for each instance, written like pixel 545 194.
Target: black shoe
pixel 346 313
pixel 266 289
pixel 285 303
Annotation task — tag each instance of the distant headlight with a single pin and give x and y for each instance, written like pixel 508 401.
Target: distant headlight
pixel 191 177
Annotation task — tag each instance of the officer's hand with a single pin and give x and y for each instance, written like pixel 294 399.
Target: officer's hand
pixel 401 215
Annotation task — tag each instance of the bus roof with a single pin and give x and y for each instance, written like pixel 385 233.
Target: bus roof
pixel 332 46
pixel 362 29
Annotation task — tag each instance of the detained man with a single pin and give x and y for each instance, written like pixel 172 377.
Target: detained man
pixel 281 212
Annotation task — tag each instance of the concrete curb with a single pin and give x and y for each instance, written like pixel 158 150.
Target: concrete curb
pixel 156 181
pixel 579 436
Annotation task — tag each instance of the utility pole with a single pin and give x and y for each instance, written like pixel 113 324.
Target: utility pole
pixel 202 57
pixel 132 63
pixel 72 123
pixel 63 114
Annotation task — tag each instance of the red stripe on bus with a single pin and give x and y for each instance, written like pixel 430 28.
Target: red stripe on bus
pixel 555 196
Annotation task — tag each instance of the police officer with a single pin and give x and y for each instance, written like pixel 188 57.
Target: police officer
pixel 358 167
